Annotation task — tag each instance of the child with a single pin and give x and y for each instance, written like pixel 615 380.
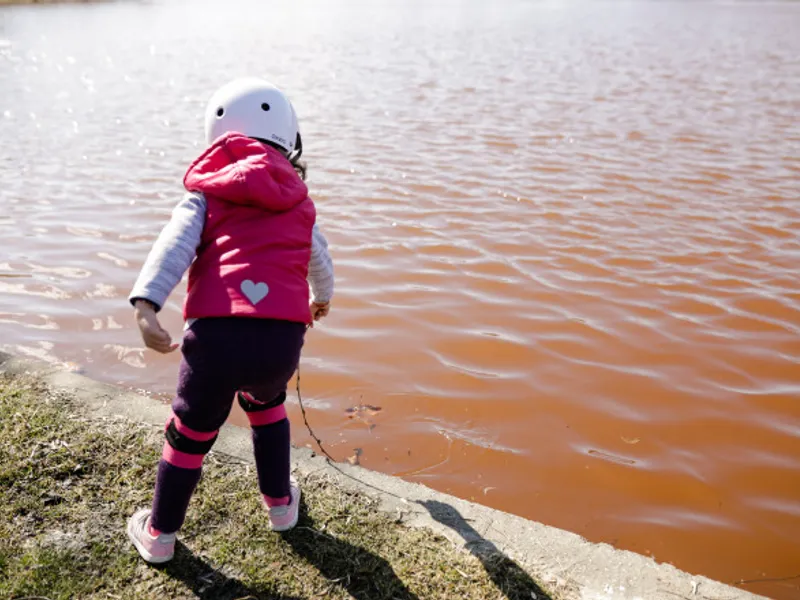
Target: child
pixel 246 231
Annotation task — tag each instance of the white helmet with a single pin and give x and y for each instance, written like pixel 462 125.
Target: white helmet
pixel 255 108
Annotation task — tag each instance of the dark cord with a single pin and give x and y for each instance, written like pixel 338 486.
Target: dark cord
pixel 331 460
pixel 305 419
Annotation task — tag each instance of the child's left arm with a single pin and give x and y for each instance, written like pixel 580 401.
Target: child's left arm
pixel 320 276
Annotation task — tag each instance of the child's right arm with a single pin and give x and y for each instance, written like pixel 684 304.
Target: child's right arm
pixel 171 255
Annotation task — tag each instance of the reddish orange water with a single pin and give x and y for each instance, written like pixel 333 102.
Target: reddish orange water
pixel 567 242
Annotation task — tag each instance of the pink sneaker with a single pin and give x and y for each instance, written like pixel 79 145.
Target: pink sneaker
pixel 283 518
pixel 155 550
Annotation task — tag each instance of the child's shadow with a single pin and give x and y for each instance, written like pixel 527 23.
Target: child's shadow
pixel 507 575
pixel 366 576
pixel 209 583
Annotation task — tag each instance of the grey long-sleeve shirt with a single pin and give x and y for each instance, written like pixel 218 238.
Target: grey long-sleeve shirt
pixel 176 247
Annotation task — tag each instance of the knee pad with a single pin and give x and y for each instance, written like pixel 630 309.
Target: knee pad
pixel 262 413
pixel 184 447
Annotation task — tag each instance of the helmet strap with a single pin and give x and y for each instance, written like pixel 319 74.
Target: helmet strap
pixel 298 149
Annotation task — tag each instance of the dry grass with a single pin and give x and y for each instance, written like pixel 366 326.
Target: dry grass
pixel 68 482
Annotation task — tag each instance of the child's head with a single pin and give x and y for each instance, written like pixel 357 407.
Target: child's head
pixel 255 108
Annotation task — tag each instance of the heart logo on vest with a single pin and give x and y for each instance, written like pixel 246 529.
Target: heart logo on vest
pixel 255 292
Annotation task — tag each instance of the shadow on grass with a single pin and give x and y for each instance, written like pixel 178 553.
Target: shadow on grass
pixel 365 576
pixel 508 576
pixel 209 583
pixel 362 573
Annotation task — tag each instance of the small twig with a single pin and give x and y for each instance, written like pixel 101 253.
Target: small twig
pixel 314 531
pixel 767 580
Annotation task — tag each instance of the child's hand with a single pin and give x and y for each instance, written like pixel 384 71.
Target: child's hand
pixel 154 336
pixel 319 310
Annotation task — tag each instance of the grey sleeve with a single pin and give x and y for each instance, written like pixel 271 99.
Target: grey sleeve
pixel 320 268
pixel 172 253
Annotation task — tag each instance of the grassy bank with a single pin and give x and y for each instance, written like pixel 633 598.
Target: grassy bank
pixel 68 482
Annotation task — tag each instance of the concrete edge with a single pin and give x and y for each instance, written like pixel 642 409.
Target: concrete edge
pixel 565 563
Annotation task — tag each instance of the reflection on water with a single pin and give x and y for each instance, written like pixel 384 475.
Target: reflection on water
pixel 566 239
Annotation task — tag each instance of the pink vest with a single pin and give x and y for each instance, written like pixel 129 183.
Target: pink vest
pixel 256 244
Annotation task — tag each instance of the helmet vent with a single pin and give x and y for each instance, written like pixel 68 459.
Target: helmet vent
pixel 265 107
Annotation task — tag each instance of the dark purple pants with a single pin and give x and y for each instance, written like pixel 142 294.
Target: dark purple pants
pixel 223 356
